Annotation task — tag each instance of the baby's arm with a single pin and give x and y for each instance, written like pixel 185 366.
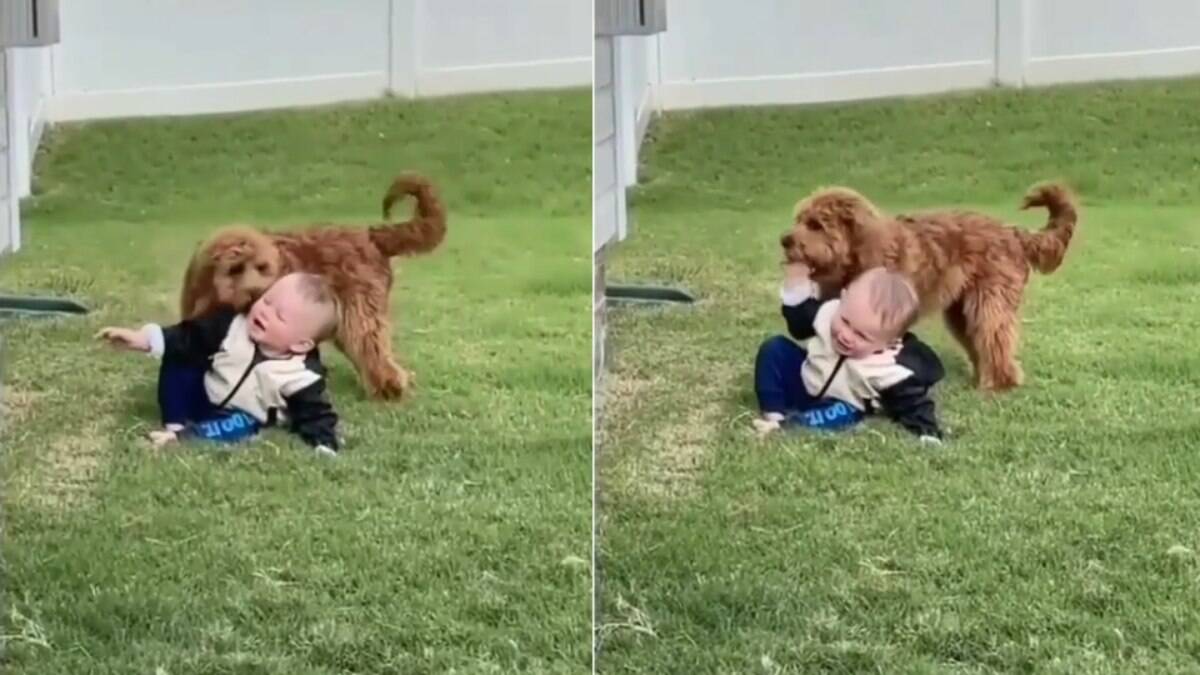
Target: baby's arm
pixel 908 404
pixel 313 417
pixel 194 339
pixel 800 302
pixel 907 401
pixel 125 338
pixel 140 340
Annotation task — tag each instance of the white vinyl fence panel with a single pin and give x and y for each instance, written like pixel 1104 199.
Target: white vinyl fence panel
pixel 778 51
pixel 24 90
pixel 29 90
pixel 1079 40
pixel 123 58
pixel 720 53
pixel 504 45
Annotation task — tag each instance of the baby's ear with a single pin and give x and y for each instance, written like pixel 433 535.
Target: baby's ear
pixel 303 346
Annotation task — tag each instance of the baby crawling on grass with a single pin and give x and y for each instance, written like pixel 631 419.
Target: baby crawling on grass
pixel 857 358
pixel 226 375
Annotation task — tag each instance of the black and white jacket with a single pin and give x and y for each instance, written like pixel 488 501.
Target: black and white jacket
pixel 895 381
pixel 287 391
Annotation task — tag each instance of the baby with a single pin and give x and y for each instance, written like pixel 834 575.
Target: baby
pixel 857 358
pixel 226 375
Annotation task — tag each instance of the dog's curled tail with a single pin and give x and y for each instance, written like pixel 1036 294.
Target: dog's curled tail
pixel 1046 249
pixel 427 228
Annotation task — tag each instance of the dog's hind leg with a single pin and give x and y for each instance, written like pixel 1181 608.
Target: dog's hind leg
pixel 365 337
pixel 991 326
pixel 956 323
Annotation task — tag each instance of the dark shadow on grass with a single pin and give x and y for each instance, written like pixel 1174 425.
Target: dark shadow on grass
pixel 1164 273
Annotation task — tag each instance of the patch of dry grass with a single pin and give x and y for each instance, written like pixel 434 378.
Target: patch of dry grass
pixel 64 475
pixel 16 405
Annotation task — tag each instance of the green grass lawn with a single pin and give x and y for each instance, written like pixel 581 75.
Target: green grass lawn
pixel 1059 528
pixel 453 533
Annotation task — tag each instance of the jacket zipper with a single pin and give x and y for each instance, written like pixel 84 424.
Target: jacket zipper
pixel 836 368
pixel 254 361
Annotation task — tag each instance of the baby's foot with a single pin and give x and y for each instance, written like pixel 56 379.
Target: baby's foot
pixel 768 423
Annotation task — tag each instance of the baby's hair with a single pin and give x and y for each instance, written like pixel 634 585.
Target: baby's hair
pixel 316 289
pixel 893 297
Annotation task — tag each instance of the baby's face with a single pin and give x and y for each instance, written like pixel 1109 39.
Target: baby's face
pixel 282 320
pixel 857 330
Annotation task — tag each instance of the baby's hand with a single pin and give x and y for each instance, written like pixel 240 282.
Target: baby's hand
pixel 795 274
pixel 125 338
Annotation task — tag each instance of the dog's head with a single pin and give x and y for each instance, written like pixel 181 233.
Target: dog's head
pixel 827 229
pixel 233 268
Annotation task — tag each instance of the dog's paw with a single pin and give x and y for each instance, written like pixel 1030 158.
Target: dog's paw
pixel 395 387
pixel 999 384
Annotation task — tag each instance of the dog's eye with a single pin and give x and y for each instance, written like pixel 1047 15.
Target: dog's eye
pixel 237 269
pixel 263 268
pixel 813 225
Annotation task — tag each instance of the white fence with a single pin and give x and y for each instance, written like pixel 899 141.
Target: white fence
pixel 155 57
pixel 719 53
pixel 28 74
pixel 24 84
pixel 1077 40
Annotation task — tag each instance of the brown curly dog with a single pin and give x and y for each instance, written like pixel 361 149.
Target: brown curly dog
pixel 971 267
pixel 238 264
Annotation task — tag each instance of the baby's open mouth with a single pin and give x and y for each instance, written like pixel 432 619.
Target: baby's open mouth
pixel 258 324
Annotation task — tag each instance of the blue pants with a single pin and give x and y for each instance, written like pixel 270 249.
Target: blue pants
pixel 183 400
pixel 780 389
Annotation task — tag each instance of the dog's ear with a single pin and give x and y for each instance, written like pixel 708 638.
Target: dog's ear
pixel 197 285
pixel 866 214
pixel 855 212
